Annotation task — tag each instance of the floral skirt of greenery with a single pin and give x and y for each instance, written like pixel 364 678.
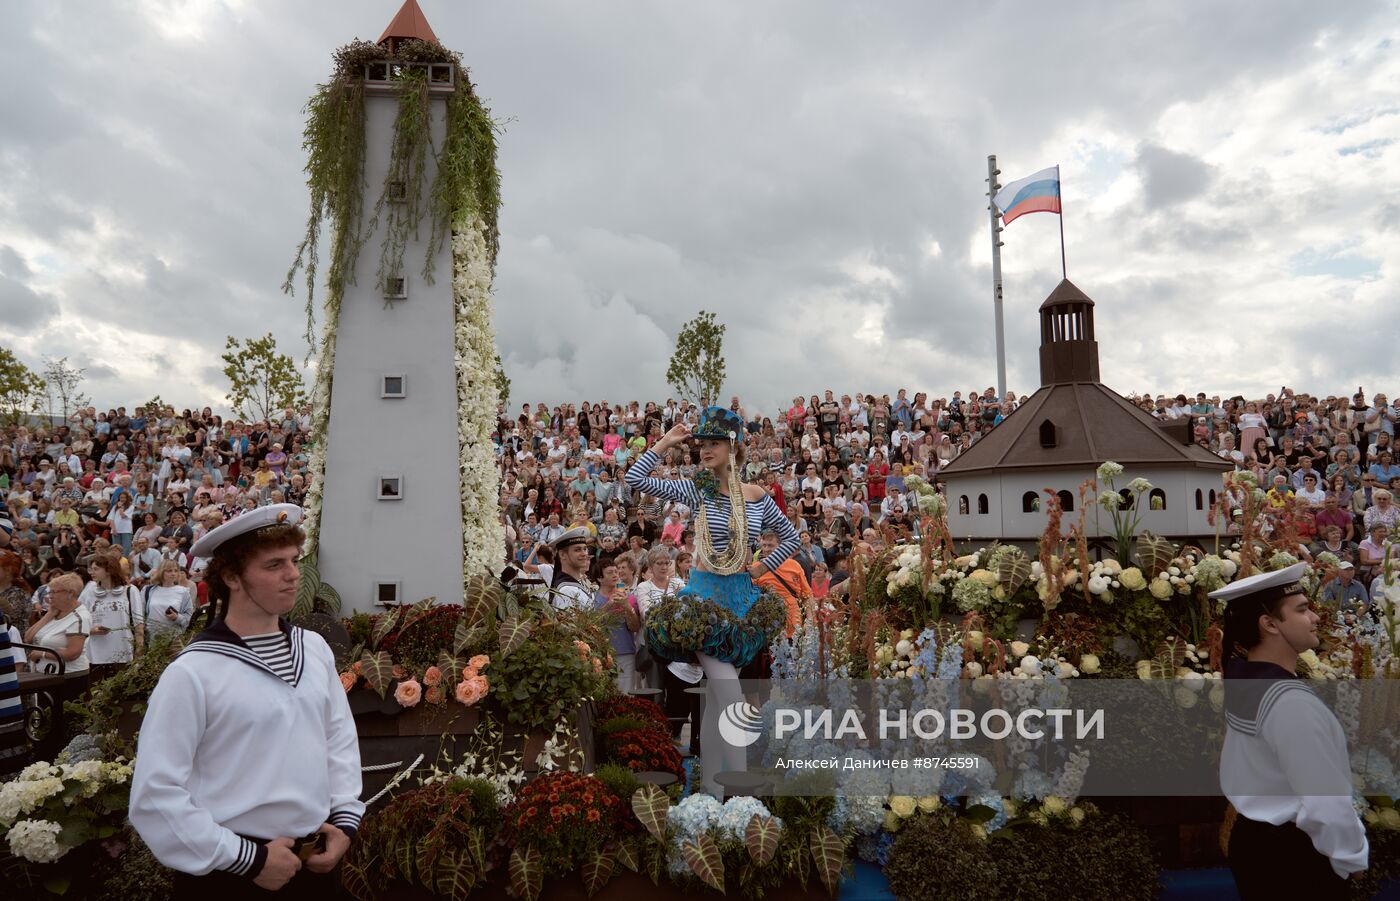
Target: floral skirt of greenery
pixel 725 617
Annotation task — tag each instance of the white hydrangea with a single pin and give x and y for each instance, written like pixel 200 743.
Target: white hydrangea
pixel 36 841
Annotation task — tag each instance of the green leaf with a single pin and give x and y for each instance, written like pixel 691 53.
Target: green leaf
pixel 307 589
pixel 978 814
pixel 508 608
pixel 58 883
pixel 328 599
pixel 352 876
pixel 451 667
pixel 761 838
pixel 829 856
pixel 598 869
pixel 703 858
pixel 378 670
pixel 1155 554
pixel 388 622
pixel 526 875
pixel 650 805
pixel 454 876
pixel 627 854
pixel 513 634
pixel 465 636
pixel 482 594
pixel 1013 569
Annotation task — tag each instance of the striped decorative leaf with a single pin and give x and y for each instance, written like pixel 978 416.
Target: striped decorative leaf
pixel 307 588
pixel 388 622
pixel 449 665
pixel 627 855
pixel 508 607
pixel 526 874
pixel 1155 554
pixel 650 804
pixel 513 635
pixel 1013 569
pixel 352 876
pixel 483 593
pixel 598 869
pixel 465 636
pixel 702 856
pixel 455 876
pixel 378 671
pixel 328 599
pixel 761 838
pixel 829 856
pixel 418 611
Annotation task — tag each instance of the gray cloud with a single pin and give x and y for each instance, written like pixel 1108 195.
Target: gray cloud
pixel 786 165
pixel 1170 177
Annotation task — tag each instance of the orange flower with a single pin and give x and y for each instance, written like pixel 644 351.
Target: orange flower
pixel 434 694
pixel 432 676
pixel 592 816
pixel 356 668
pixel 398 671
pixel 409 693
pixel 469 672
pixel 348 680
pixel 479 662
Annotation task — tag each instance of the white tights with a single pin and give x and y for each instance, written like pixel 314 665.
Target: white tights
pixel 716 755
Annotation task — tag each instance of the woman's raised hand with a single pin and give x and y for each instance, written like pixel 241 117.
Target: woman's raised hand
pixel 678 434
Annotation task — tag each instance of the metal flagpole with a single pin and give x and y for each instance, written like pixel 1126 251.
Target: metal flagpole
pixel 1064 273
pixel 992 188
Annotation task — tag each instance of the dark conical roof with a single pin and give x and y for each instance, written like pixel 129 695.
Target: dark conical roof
pixel 409 23
pixel 1066 292
pixel 1091 424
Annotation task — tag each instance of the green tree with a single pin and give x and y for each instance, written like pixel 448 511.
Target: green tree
pixel 697 366
pixel 21 390
pixel 502 381
pixel 63 388
pixel 262 381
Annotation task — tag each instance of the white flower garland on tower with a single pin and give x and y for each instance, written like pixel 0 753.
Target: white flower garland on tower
pixel 320 423
pixel 483 537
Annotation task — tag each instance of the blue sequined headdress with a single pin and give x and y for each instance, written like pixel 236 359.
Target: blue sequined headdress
pixel 719 423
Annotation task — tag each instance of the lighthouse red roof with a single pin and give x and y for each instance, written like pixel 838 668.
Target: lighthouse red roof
pixel 409 22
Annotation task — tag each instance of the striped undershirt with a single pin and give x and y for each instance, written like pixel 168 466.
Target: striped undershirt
pixel 274 650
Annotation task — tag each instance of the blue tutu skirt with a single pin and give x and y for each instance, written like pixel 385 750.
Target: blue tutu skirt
pixel 725 617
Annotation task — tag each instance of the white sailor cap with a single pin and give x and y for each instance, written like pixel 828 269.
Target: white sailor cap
pixel 576 535
pixel 253 520
pixel 1265 587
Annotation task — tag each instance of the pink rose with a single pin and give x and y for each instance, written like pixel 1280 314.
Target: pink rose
pixel 348 680
pixel 471 691
pixel 435 694
pixel 480 661
pixel 432 676
pixel 469 672
pixel 409 693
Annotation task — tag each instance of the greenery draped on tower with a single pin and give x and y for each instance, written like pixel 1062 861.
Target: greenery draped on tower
pixel 457 209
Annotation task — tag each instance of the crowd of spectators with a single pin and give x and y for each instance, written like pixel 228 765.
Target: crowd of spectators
pixel 119 498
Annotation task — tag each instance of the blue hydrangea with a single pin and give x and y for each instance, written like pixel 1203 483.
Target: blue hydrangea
pixel 992 800
pixel 734 818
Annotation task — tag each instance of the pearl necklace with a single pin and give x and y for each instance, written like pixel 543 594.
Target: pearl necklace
pixel 735 557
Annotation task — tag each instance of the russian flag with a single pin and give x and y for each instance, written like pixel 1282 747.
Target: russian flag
pixel 1038 193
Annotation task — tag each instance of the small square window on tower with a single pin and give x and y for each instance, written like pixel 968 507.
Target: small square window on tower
pixel 391 488
pixel 398 191
pixel 393 386
pixel 388 594
pixel 396 288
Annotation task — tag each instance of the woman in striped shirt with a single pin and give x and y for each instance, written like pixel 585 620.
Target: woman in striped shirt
pixel 720 619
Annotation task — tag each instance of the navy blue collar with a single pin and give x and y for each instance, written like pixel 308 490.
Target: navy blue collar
pixel 220 639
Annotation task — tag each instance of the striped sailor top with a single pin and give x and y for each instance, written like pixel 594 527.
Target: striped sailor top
pixel 276 651
pixel 761 514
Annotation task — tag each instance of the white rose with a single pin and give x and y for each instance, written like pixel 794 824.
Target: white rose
pixel 1097 585
pixel 1020 648
pixel 1030 665
pixel 975 638
pixel 904 648
pixel 974 669
pixel 1089 664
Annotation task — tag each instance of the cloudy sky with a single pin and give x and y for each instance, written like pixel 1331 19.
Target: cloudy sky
pixel 811 171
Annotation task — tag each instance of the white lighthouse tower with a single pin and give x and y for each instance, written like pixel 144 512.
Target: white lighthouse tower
pixel 391 506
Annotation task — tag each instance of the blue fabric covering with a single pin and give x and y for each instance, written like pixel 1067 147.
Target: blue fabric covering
pixel 735 593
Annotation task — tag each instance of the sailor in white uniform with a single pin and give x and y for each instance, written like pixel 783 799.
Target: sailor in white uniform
pixel 1284 765
pixel 247 777
pixel 569 587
